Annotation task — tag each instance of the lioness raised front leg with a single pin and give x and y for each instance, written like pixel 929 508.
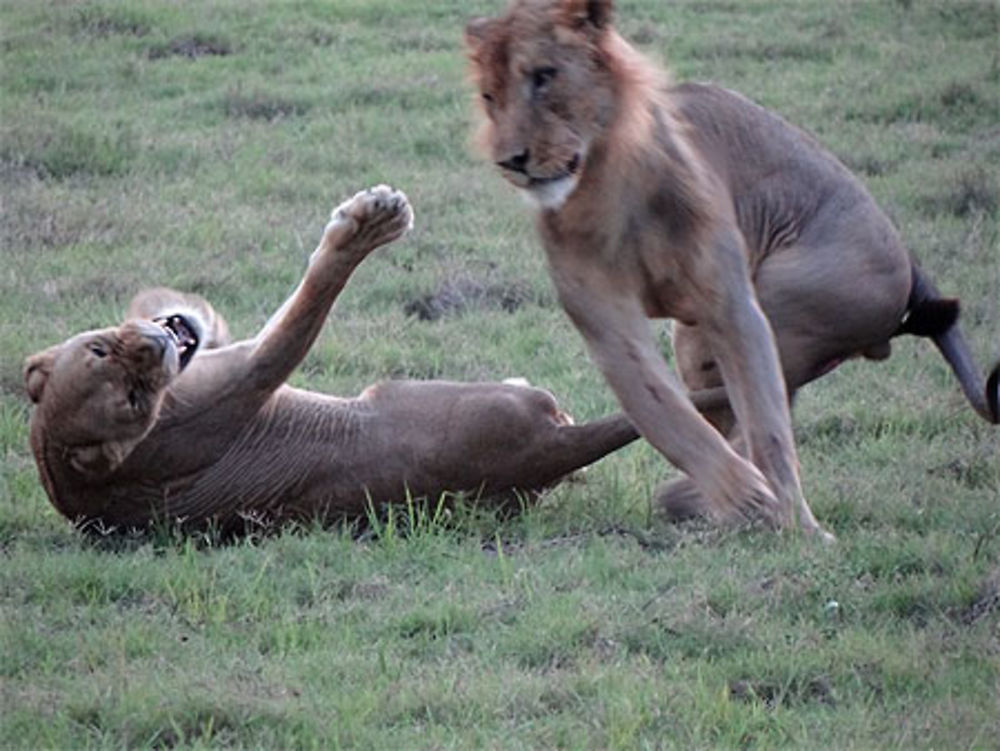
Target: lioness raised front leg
pixel 370 219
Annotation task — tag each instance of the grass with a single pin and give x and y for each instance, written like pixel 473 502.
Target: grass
pixel 201 145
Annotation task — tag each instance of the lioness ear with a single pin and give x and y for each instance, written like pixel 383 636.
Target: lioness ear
pixel 99 459
pixel 37 369
pixel 596 13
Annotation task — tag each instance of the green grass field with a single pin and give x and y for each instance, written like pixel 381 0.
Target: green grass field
pixel 201 145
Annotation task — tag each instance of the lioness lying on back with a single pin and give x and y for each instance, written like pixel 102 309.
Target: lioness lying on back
pixel 146 421
pixel 691 202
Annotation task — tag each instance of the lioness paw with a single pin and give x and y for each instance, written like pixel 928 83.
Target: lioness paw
pixel 371 218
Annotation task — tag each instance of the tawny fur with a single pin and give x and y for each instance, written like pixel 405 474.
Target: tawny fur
pixel 690 202
pixel 123 437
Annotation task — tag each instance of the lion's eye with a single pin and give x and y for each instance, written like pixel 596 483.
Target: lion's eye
pixel 98 350
pixel 487 97
pixel 542 77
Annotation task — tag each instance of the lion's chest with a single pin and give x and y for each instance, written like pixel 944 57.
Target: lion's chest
pixel 668 298
pixel 627 256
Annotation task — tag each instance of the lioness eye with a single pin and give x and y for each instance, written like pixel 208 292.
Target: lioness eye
pixel 98 350
pixel 487 97
pixel 542 77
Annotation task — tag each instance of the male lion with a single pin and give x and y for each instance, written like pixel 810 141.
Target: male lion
pixel 693 203
pixel 146 421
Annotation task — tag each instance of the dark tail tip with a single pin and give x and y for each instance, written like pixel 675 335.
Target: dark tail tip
pixel 993 394
pixel 931 317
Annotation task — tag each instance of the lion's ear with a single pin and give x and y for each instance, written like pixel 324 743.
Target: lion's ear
pixel 37 370
pixel 477 31
pixel 595 13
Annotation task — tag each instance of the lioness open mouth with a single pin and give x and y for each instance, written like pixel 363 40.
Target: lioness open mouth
pixel 183 334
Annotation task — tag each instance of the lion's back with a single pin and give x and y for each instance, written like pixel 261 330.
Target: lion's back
pixel 778 175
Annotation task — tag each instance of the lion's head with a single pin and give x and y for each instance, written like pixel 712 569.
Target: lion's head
pixel 551 76
pixel 98 393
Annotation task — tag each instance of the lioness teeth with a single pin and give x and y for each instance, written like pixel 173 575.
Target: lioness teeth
pixel 183 336
pixel 172 334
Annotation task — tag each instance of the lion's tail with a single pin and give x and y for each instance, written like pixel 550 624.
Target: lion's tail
pixel 936 317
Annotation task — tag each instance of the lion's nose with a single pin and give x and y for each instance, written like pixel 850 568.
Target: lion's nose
pixel 517 163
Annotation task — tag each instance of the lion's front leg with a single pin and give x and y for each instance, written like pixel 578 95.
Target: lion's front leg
pixel 748 359
pixel 358 226
pixel 620 342
pixel 743 344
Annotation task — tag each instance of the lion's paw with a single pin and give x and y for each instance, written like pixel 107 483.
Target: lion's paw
pixel 370 219
pixel 741 495
pixel 680 499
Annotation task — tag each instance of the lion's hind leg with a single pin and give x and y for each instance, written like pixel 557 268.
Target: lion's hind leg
pixel 699 371
pixel 832 301
pixel 840 296
pixel 678 498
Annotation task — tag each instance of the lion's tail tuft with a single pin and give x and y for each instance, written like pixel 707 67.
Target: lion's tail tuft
pixel 936 317
pixel 931 317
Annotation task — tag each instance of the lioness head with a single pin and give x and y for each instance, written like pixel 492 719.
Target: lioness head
pixel 99 392
pixel 548 88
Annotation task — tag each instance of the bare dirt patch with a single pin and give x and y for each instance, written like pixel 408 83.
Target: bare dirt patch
pixel 971 191
pixel 191 46
pixel 813 690
pixel 259 105
pixel 454 297
pixel 987 601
